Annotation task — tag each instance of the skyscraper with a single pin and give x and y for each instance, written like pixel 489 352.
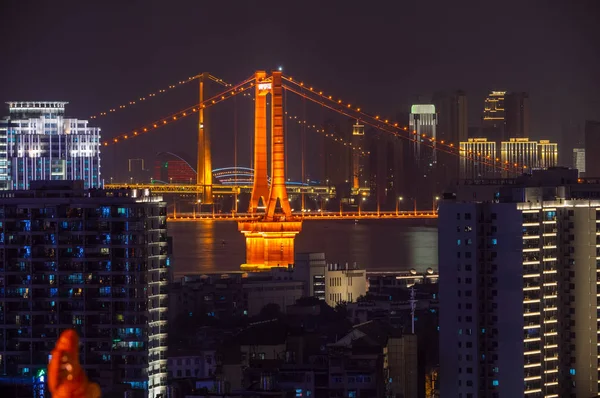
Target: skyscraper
pixel 338 157
pixel 44 145
pixel 592 147
pixel 92 260
pixel 518 305
pixel 423 153
pixel 493 125
pixel 517 109
pixel 452 117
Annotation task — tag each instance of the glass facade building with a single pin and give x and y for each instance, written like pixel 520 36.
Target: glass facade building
pixel 93 260
pixel 41 144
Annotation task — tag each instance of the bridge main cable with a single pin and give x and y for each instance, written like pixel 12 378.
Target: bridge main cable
pixel 222 96
pixel 392 128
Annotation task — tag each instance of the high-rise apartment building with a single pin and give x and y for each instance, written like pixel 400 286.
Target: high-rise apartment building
pixel 92 260
pixel 516 111
pixel 493 124
pixel 422 152
pixel 579 160
pixel 592 147
pixel 4 160
pixel 477 158
pixel 518 302
pixel 42 144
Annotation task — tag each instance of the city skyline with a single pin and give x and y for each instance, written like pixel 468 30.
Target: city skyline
pixel 476 78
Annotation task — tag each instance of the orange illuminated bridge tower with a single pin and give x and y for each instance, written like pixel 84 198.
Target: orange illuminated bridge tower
pixel 270 240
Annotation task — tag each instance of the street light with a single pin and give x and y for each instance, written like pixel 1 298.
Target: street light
pixel 398 203
pixel 434 203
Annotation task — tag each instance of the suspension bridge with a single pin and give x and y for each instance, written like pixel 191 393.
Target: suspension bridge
pixel 270 224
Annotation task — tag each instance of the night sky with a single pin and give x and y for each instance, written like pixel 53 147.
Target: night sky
pixel 382 55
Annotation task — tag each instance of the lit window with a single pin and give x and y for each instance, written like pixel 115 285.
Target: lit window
pixel 495 383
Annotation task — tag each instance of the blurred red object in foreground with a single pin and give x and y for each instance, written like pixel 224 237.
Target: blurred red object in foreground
pixel 66 378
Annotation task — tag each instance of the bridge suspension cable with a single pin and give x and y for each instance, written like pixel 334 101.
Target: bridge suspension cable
pixel 376 121
pixel 231 92
pixel 154 94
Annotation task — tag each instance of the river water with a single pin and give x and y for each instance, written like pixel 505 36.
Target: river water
pixel 383 245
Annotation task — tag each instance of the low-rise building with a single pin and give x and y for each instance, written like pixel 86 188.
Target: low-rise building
pixel 344 284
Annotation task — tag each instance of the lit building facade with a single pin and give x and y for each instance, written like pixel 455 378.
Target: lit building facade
pixel 4 160
pixel 517 317
pixel 93 260
pixel 344 284
pixel 579 160
pixel 172 168
pixel 547 154
pixel 493 123
pixel 42 144
pixel 520 151
pixel 477 157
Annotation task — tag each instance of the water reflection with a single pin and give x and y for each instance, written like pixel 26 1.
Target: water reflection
pixel 207 247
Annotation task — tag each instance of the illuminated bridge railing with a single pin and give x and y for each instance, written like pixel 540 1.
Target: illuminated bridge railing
pixel 315 215
pixel 219 189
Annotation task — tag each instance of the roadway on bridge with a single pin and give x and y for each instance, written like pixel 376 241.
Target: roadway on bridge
pixel 317 215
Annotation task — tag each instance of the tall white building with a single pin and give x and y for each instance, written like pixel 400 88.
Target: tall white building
pixel 518 298
pixel 578 160
pixel 42 144
pixel 422 123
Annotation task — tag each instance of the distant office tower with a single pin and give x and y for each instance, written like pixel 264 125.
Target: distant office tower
pixel 452 117
pixel 358 161
pixel 338 157
pixel 518 301
pixel 516 113
pixel 423 121
pixel 137 171
pixel 172 168
pixel 477 158
pixel 91 260
pixel 44 145
pixel 592 148
pixel 377 167
pixel 547 154
pixel 579 160
pixel 520 151
pixel 423 125
pixel 493 125
pixel 385 170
